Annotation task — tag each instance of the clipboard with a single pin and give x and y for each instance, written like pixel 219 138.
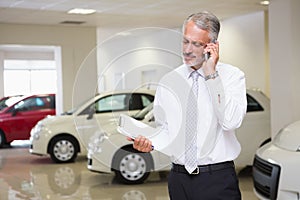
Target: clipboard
pixel 132 128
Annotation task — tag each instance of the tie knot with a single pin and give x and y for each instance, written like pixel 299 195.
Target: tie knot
pixel 195 75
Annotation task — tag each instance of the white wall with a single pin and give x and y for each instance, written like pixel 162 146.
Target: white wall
pixel 75 44
pixel 284 33
pixel 242 43
pixel 134 52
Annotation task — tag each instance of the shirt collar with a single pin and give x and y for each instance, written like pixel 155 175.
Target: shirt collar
pixel 189 71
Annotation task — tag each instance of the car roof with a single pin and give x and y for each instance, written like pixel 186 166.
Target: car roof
pixel 255 91
pixel 143 91
pixel 38 95
pixel 77 109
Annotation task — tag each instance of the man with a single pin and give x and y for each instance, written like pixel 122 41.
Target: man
pixel 199 105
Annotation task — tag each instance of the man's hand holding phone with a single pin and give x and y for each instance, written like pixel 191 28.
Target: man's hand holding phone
pixel 211 53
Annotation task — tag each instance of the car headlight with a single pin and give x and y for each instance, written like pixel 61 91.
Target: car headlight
pixel 35 133
pixel 288 137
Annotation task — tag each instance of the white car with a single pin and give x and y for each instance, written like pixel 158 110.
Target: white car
pixel 63 137
pixel 276 166
pixel 111 152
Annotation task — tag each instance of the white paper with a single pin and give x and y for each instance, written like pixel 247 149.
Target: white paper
pixel 131 127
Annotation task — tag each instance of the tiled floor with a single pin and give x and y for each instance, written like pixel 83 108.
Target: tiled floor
pixel 30 177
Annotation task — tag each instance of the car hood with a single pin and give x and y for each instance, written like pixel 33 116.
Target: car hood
pixel 56 119
pixel 289 137
pixel 81 123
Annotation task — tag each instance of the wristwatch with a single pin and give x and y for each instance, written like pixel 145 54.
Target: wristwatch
pixel 211 76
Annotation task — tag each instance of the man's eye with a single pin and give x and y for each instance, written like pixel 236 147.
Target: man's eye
pixel 196 44
pixel 185 42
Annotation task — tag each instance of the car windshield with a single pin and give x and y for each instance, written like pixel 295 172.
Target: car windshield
pixel 8 101
pixel 141 114
pixel 73 110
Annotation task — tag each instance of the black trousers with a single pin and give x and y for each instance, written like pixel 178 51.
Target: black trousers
pixel 211 185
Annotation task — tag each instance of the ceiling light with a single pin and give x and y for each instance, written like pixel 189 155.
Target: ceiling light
pixel 125 33
pixel 81 11
pixel 265 3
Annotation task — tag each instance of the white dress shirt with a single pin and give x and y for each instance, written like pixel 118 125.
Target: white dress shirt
pixel 221 108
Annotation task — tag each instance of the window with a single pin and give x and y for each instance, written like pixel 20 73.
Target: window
pixel 139 101
pixel 35 103
pixel 119 102
pixel 33 77
pixel 253 105
pixel 147 99
pixel 111 103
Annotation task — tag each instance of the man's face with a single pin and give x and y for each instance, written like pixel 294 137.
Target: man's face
pixel 194 42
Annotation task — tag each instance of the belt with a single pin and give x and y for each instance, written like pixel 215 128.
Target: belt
pixel 203 168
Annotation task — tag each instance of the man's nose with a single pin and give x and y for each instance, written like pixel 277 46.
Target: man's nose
pixel 188 48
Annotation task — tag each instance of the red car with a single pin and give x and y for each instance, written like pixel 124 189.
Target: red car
pixel 18 117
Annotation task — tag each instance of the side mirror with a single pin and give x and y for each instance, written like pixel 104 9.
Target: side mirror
pixel 14 112
pixel 91 113
pixel 152 119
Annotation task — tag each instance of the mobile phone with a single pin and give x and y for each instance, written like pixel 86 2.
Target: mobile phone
pixel 207 55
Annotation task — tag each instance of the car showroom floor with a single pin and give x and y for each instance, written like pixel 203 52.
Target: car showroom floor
pixel 26 176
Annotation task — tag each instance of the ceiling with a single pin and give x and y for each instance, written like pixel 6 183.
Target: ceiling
pixel 119 13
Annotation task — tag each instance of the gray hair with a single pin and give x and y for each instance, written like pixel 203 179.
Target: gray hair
pixel 205 21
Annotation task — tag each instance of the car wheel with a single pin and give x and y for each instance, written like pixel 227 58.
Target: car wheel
pixel 131 166
pixel 2 139
pixel 63 149
pixel 64 180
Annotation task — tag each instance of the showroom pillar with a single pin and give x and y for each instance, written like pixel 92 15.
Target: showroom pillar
pixel 284 31
pixel 1 74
